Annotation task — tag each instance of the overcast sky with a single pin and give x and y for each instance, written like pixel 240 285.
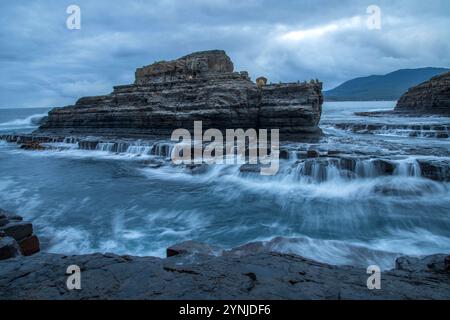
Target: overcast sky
pixel 43 64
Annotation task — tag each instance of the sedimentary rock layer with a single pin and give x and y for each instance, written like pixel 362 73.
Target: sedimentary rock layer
pixel 431 97
pixel 199 87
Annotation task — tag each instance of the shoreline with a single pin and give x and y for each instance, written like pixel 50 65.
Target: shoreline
pixel 194 270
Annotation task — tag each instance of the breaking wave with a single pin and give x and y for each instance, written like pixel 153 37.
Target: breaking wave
pixel 28 122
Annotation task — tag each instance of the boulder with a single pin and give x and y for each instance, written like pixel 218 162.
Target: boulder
pixel 32 145
pixel 192 247
pixel 8 248
pixel 250 168
pixel 312 154
pixel 29 246
pixel 18 230
pixel 3 221
pixel 436 263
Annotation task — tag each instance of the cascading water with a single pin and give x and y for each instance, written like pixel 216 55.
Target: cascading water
pixel 351 198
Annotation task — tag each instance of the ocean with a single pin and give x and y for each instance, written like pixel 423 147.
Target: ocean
pixel 84 201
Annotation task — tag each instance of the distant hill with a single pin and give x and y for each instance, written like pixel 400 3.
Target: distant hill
pixel 387 87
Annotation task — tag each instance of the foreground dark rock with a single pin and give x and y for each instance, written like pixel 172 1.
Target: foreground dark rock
pixel 199 87
pixel 197 271
pixel 430 97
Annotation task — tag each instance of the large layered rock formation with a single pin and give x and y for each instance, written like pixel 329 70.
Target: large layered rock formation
pixel 199 87
pixel 431 97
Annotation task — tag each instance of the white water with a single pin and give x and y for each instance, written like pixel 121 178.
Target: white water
pixel 126 197
pixel 24 123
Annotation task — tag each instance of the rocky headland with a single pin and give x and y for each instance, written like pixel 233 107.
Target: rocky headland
pixel 429 98
pixel 199 271
pixel 202 86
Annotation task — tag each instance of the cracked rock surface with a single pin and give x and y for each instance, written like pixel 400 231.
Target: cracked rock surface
pixel 241 273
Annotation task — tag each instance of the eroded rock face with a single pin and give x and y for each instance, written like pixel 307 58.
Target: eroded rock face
pixel 431 97
pixel 190 66
pixel 199 87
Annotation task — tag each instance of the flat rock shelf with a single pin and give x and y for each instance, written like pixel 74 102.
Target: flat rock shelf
pixel 198 271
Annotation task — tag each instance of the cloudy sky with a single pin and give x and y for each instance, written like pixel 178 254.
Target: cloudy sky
pixel 43 64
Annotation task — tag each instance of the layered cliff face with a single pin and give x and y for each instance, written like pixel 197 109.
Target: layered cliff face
pixel 431 97
pixel 199 87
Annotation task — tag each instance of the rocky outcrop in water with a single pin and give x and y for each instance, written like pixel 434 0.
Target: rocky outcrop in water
pixel 16 236
pixel 314 162
pixel 431 97
pixel 197 271
pixel 199 87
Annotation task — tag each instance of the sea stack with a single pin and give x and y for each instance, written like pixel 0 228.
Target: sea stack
pixel 201 86
pixel 429 98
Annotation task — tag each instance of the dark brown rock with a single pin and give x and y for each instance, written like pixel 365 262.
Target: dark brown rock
pixel 438 170
pixel 3 222
pixel 312 154
pixel 32 145
pixel 430 97
pixel 192 247
pixel 8 248
pixel 29 246
pixel 250 168
pixel 18 230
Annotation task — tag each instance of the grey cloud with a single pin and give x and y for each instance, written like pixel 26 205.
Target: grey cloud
pixel 44 64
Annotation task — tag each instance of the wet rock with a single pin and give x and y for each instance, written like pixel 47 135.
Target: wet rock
pixel 192 247
pixel 3 221
pixel 384 167
pixel 333 153
pixel 284 154
pixel 197 168
pixel 438 170
pixel 8 248
pixel 32 145
pixel 348 164
pixel 29 246
pixel 312 154
pixel 14 217
pixel 250 168
pixel 258 274
pixel 153 164
pixel 18 230
pixel 436 263
pixel 88 144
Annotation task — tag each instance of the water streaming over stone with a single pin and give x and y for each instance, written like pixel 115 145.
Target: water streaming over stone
pixel 352 198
